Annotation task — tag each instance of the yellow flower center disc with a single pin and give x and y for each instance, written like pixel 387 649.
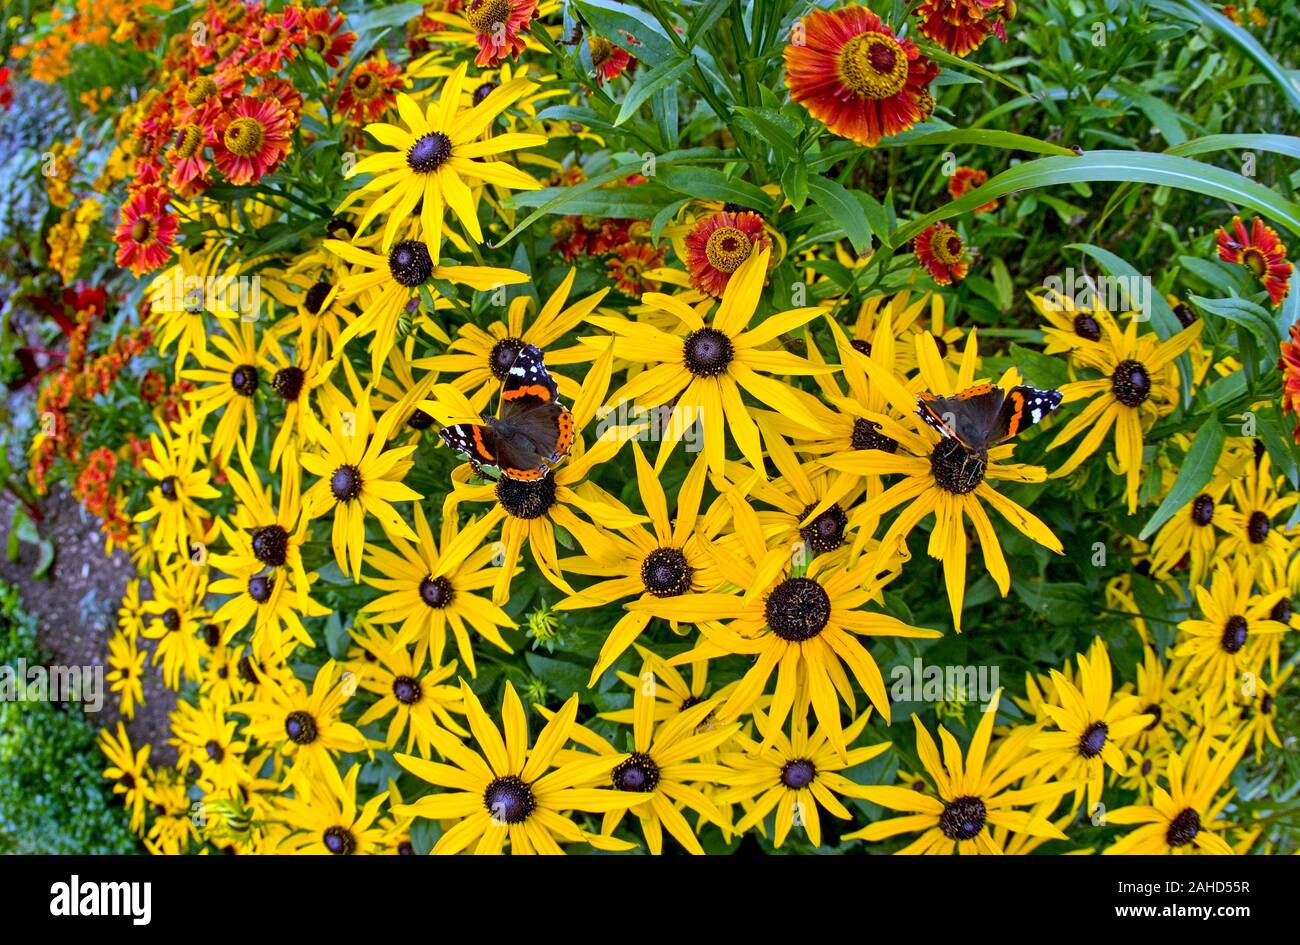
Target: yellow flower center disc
pixel 873 65
pixel 946 246
pixel 726 248
pixel 244 136
pixel 488 15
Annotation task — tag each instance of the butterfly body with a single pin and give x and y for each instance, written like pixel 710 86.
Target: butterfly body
pixel 985 415
pixel 532 430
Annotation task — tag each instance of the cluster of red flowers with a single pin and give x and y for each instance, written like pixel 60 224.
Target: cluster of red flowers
pixel 224 106
pixel 81 378
pixel 1290 366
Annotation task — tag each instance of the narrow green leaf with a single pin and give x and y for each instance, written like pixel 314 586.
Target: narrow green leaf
pixel 1197 470
pixel 1250 46
pixel 646 84
pixel 843 209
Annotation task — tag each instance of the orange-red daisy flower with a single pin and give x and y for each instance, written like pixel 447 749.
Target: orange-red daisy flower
pixel 850 70
pixel 189 166
pixel 939 248
pixel 609 59
pixel 718 244
pixel 324 37
pixel 251 138
pixel 1260 251
pixel 1290 365
pixel 629 265
pixel 370 90
pixel 960 26
pixel 146 231
pixel 964 180
pixel 497 26
pixel 274 41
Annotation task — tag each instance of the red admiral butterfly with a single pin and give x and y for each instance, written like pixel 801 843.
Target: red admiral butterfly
pixel 532 431
pixel 985 415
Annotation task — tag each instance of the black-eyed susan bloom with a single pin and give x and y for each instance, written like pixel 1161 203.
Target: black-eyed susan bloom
pixel 181 482
pixel 329 820
pixel 666 561
pixel 126 672
pixel 439 156
pixel 1091 725
pixel 1185 815
pixel 388 286
pixel 508 794
pixel 798 619
pixel 703 365
pixel 1228 641
pixel 942 478
pixel 360 476
pixel 971 795
pixel 529 511
pixel 429 589
pixel 478 360
pixel 305 726
pixel 664 766
pixel 129 771
pixel 1139 384
pixel 1256 534
pixel 178 614
pixel 229 378
pixel 412 702
pixel 796 775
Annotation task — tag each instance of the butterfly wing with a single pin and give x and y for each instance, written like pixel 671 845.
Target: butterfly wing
pixel 477 442
pixel 534 430
pixel 968 417
pixel 1022 408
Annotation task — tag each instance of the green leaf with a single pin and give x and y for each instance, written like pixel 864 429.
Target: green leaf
pixel 703 182
pixel 1250 46
pixel 613 20
pixel 1244 314
pixel 1118 166
pixel 1276 144
pixel 664 216
pixel 1002 282
pixel 1278 442
pixel 775 127
pixel 794 183
pixel 1197 470
pixel 844 210
pixel 1041 370
pixel 44 557
pixel 646 84
pixel 1006 140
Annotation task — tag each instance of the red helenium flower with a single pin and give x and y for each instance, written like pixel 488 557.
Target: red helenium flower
pixel 628 267
pixel 718 244
pixel 850 70
pixel 940 249
pixel 145 233
pixel 966 179
pixel 1260 251
pixel 960 26
pixel 251 138
pixel 497 25
pixel 1290 365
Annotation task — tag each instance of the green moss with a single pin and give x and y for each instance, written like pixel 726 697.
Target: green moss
pixel 53 798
